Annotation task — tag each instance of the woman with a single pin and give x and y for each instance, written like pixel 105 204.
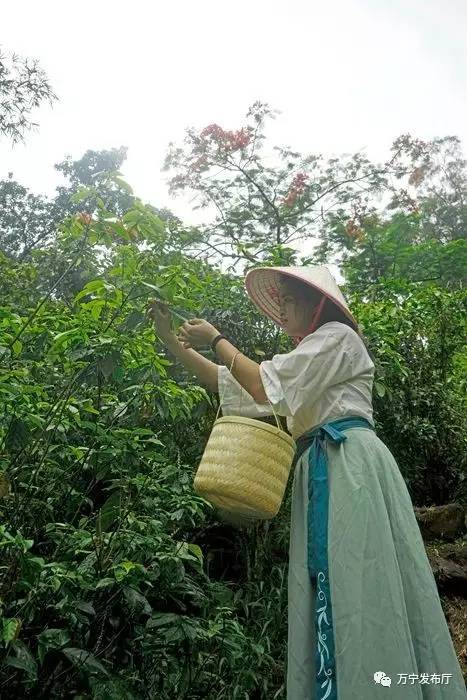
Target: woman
pixel 364 614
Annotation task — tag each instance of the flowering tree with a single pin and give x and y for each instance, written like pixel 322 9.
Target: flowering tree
pixel 261 208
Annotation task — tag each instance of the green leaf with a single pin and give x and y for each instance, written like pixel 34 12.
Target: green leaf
pixel 380 389
pixel 105 583
pixel 23 660
pixel 118 374
pixel 6 389
pixel 136 601
pixel 10 628
pixel 80 195
pixel 82 659
pixel 161 619
pixel 51 639
pixel 124 185
pixel 17 347
pixel 196 551
pixel 63 337
pixel 123 569
pixel 96 306
pixel 111 509
pixel 104 341
pixel 85 607
pixel 159 291
pixel 90 287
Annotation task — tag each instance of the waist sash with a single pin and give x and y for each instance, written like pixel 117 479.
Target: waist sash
pixel 317 554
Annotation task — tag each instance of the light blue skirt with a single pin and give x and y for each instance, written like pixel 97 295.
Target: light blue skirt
pixel 385 633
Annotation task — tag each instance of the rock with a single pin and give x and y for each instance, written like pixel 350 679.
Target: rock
pixel 446 521
pixel 456 551
pixel 448 561
pixel 451 578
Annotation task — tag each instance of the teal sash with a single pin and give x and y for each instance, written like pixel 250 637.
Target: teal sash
pixel 317 516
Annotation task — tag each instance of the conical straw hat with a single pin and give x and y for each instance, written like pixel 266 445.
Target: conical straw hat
pixel 262 286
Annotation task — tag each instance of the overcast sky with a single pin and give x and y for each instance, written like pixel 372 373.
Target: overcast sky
pixel 346 75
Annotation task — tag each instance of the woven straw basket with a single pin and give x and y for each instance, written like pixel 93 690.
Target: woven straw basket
pixel 244 468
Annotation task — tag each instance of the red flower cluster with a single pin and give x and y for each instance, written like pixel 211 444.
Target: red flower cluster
pixel 236 139
pixel 213 131
pixel 296 188
pixel 229 140
pixel 298 183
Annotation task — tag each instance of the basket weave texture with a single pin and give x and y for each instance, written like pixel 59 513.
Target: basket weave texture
pixel 245 467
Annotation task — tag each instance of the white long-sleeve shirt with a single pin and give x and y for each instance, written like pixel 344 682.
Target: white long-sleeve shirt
pixel 328 375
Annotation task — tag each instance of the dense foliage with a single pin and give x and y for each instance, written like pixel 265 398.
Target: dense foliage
pixel 117 580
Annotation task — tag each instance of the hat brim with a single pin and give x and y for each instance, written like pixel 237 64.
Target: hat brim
pixel 262 286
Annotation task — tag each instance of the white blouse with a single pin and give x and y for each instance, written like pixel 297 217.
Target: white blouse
pixel 328 375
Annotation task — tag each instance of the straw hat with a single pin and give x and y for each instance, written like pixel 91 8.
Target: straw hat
pixel 262 286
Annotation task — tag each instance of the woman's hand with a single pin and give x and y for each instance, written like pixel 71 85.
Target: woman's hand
pixel 196 332
pixel 159 312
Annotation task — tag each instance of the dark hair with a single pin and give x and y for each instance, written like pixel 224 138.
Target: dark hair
pixel 311 296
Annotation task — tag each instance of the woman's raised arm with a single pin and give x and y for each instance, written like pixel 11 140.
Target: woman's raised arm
pixel 205 370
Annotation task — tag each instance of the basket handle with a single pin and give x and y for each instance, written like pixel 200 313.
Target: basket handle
pixel 241 396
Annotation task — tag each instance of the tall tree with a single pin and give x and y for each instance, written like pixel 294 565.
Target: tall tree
pixel 29 221
pixel 260 208
pixel 26 219
pixel 99 171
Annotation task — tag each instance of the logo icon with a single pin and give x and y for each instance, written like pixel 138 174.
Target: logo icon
pixel 382 678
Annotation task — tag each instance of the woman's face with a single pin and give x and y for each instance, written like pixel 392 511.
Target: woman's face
pixel 296 310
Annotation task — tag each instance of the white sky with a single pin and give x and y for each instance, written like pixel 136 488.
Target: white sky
pixel 346 75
